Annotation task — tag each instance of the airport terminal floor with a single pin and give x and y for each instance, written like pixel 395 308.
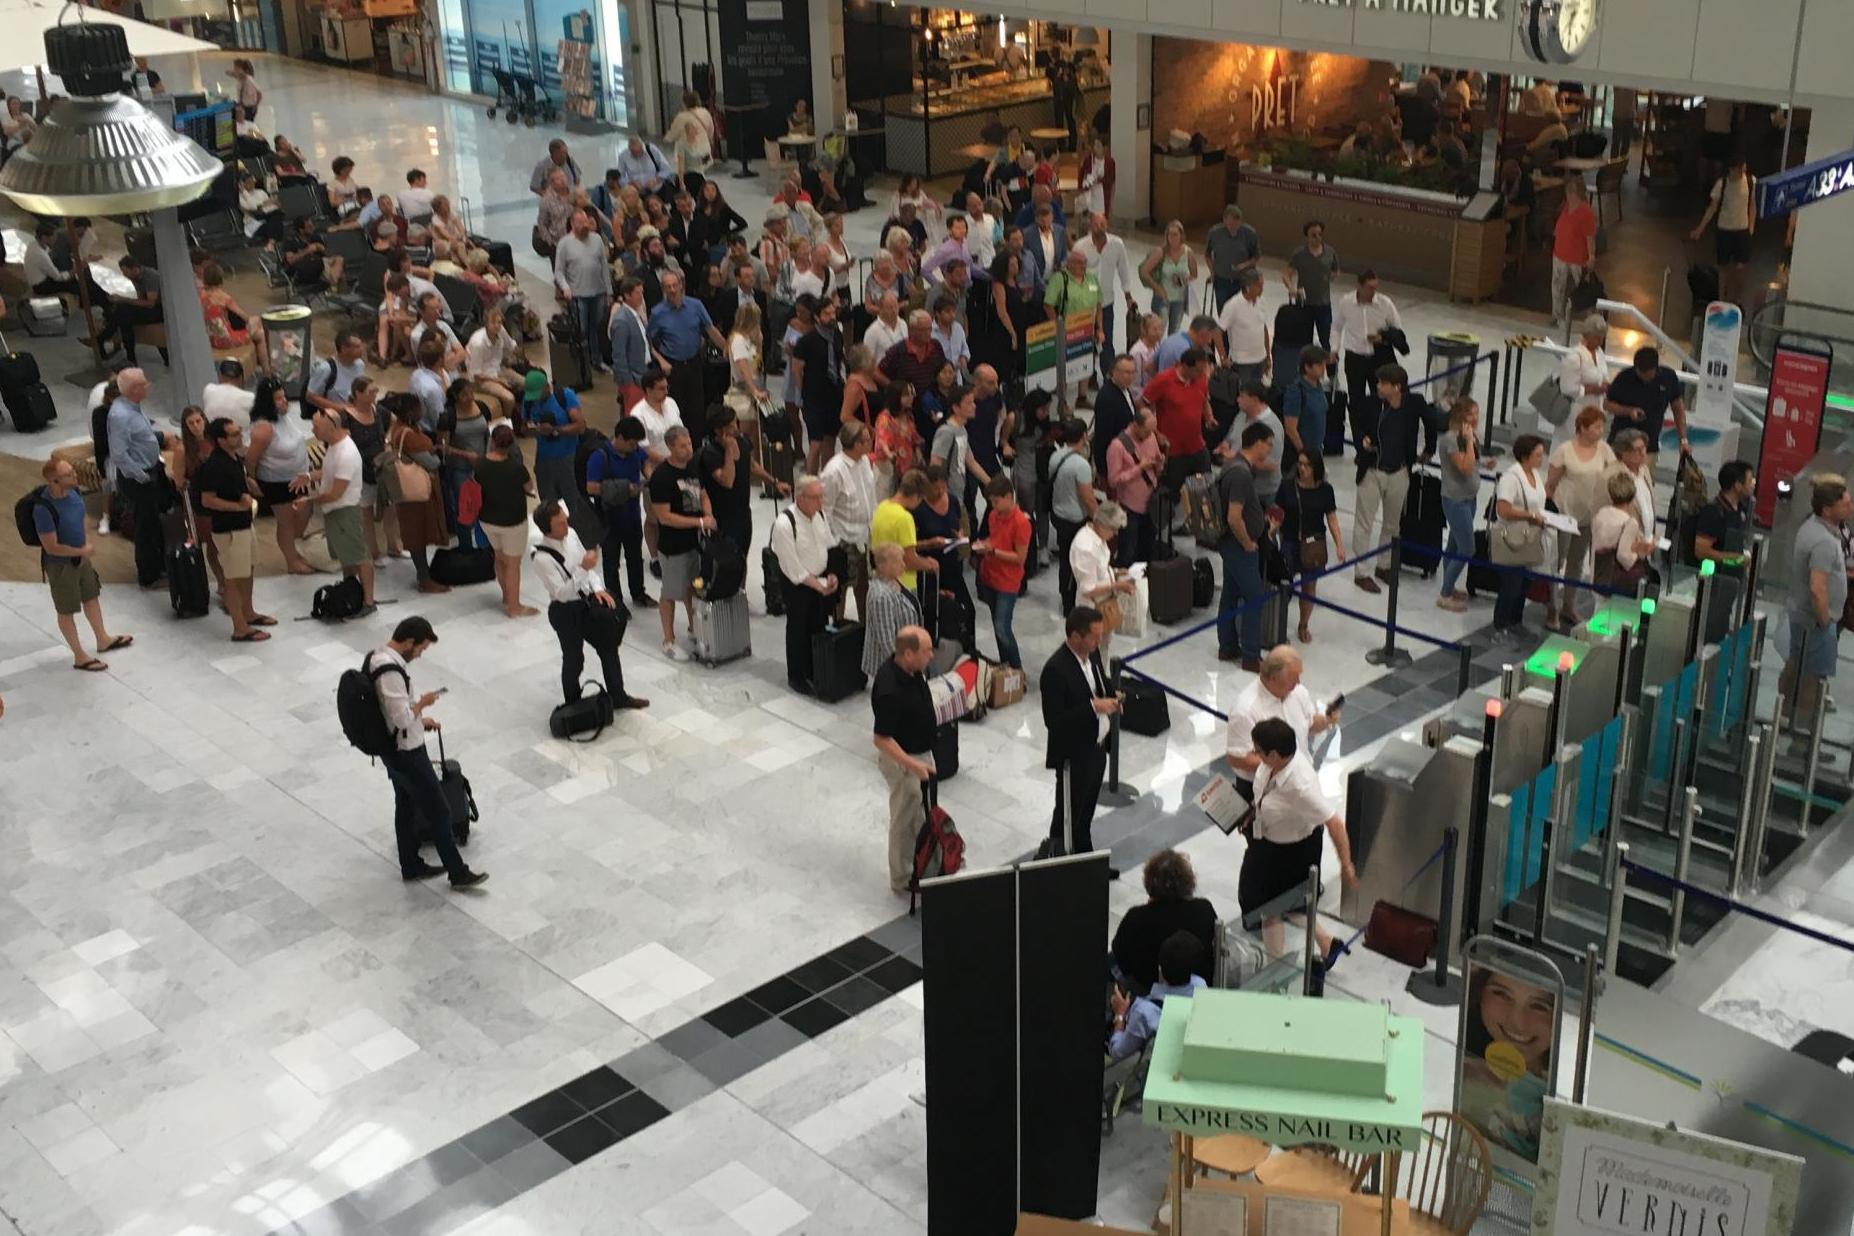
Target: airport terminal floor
pixel 687 1001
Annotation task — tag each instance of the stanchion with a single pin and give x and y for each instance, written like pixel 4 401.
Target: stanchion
pixel 1284 595
pixel 1618 890
pixel 1747 812
pixel 1814 763
pixel 1390 656
pixel 1624 650
pixel 1111 791
pixel 1678 902
pixel 1442 987
pixel 1586 1024
pixel 1312 983
pixel 1477 825
pixel 1754 565
pixel 1464 669
pixel 1763 775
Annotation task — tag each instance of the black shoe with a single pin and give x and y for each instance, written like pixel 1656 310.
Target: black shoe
pixel 1113 873
pixel 644 600
pixel 1334 953
pixel 470 879
pixel 1229 654
pixel 630 702
pixel 424 871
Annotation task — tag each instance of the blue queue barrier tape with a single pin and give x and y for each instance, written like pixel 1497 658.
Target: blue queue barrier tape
pixel 1208 623
pixel 1735 906
pixel 1451 372
pixel 1196 703
pixel 1414 877
pixel 1508 568
pixel 1376 622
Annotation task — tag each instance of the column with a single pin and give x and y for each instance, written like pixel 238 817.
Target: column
pixel 189 365
pixel 1822 268
pixel 828 100
pixel 1130 92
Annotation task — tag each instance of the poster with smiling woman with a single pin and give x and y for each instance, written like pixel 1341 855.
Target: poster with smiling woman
pixel 1509 1039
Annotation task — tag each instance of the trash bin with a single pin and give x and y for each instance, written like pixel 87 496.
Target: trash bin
pixel 286 336
pixel 1450 351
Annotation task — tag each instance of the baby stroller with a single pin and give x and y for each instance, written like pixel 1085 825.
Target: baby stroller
pixel 521 99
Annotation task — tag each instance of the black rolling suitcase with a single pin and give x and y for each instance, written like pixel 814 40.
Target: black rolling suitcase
pixel 1422 523
pixel 567 356
pixel 1482 578
pixel 27 399
pixel 1335 423
pixel 946 752
pixel 771 577
pixel 777 453
pixel 187 588
pixel 837 662
pixel 457 793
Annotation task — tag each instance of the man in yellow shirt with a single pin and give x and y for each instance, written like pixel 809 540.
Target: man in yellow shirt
pixel 893 523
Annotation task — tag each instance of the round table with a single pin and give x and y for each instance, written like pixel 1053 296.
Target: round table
pixel 798 144
pixel 1050 135
pixel 1232 1154
pixel 1315 1173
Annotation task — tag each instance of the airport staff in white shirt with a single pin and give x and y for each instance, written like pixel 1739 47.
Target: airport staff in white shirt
pixel 1284 843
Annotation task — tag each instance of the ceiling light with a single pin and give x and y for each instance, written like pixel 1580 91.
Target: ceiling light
pixel 101 152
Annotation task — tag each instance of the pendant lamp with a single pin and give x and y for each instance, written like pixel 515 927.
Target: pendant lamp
pixel 101 152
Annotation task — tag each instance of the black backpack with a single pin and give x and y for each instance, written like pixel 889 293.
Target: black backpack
pixel 338 601
pixel 29 502
pixel 357 704
pixel 723 567
pixel 590 443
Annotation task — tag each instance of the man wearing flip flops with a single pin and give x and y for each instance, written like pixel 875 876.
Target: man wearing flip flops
pixel 64 557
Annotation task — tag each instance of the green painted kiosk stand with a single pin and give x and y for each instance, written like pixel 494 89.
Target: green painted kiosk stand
pixel 1289 1071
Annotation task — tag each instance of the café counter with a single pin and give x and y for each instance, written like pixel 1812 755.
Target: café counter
pixel 928 132
pixel 1408 235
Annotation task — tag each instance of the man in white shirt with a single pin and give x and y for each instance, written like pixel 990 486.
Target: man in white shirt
pixel 431 321
pixel 1359 321
pixel 1290 810
pixel 849 505
pixel 658 413
pixel 228 397
pixel 1276 692
pixel 888 329
pixel 415 198
pixel 420 808
pixel 338 492
pixel 580 610
pixel 42 273
pixel 801 540
pixel 980 242
pixel 1113 270
pixel 1244 327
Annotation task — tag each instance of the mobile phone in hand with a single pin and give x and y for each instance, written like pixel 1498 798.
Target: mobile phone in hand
pixel 1338 702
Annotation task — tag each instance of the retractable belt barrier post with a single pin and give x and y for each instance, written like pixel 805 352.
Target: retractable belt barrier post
pixel 1390 656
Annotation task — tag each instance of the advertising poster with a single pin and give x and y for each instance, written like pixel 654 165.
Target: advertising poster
pixel 1040 352
pixel 1711 414
pixel 1792 418
pixel 1511 1031
pixel 1605 1174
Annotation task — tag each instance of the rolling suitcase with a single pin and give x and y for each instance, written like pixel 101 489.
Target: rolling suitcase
pixel 187 588
pixel 457 793
pixel 721 632
pixel 1335 423
pixel 27 399
pixel 567 357
pixel 771 577
pixel 1422 524
pixel 777 454
pixel 1481 576
pixel 1203 583
pixel 837 662
pixel 1169 590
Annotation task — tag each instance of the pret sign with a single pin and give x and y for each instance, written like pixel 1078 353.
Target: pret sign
pixel 1799 372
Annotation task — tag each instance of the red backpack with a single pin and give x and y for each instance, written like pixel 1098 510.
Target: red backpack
pixel 939 850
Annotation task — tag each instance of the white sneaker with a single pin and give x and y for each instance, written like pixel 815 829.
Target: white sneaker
pixel 675 651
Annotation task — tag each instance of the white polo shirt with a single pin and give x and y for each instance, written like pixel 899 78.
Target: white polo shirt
pixel 1258 704
pixel 1242 321
pixel 656 424
pixel 1289 805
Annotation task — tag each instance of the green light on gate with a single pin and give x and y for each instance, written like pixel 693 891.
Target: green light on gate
pixel 1707 568
pixel 1648 606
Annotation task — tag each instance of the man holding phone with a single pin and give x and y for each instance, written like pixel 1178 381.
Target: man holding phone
pixel 1276 693
pixel 1076 708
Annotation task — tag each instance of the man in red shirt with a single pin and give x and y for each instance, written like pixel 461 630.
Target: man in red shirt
pixel 1180 401
pixel 1001 553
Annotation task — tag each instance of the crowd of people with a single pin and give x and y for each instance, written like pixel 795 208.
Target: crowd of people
pixel 926 475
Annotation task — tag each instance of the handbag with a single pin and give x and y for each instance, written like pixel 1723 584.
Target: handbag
pixel 1523 542
pixel 1589 289
pixel 1311 547
pixel 403 480
pixel 1550 402
pixel 1110 613
pixel 469 501
pixel 1401 935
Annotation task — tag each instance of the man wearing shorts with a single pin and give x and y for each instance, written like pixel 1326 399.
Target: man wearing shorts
pixel 64 558
pixel 338 492
pixel 224 491
pixel 683 514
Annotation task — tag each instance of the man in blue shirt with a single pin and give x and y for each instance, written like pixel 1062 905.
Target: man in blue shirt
pixel 135 464
pixel 678 324
pixel 64 557
pixel 1136 1018
pixel 1202 333
pixel 1304 407
pixel 641 164
pixel 620 464
pixel 557 423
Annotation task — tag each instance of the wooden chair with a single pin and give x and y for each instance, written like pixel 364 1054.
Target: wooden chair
pixel 1314 1169
pixel 1446 1182
pixel 1609 184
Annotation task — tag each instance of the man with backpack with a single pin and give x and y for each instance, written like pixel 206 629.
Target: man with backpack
pixel 331 380
pixel 801 539
pixel 52 518
pixel 382 717
pixel 904 733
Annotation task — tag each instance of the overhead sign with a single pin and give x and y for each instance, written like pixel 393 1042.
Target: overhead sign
pixel 1803 186
pixel 1285 1128
pixel 1604 1174
pixel 1792 418
pixel 1474 10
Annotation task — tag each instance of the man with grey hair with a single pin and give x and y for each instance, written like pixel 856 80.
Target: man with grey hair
pixel 802 540
pixel 1276 694
pixel 1818 597
pixel 1231 248
pixel 678 324
pixel 904 733
pixel 554 215
pixel 888 329
pixel 135 467
pixel 583 285
pixel 1583 376
pixel 1251 344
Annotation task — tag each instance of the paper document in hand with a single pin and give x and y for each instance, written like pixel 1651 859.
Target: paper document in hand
pixel 1220 801
pixel 1137 571
pixel 1559 522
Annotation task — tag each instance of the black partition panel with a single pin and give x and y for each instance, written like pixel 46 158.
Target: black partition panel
pixel 1062 977
pixel 968 929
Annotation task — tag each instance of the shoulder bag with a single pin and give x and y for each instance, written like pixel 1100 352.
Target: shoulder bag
pixel 403 480
pixel 1550 402
pixel 1312 543
pixel 1517 542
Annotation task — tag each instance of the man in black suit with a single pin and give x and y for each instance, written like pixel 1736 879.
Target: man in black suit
pixel 1114 413
pixel 745 290
pixel 688 234
pixel 1076 706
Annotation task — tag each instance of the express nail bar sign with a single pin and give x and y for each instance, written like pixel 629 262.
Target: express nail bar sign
pixel 1605 1174
pixel 1474 10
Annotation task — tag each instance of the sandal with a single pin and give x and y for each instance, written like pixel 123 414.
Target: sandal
pixel 251 637
pixel 90 666
pixel 263 620
pixel 121 641
pixel 1306 635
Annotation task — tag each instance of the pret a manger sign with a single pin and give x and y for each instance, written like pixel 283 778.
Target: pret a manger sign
pixel 1474 10
pixel 1283 1129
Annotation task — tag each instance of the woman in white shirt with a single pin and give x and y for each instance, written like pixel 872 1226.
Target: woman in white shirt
pixel 1284 836
pixel 911 192
pixel 747 392
pixel 692 141
pixel 1575 482
pixel 842 265
pixel 1622 550
pixel 263 216
pixel 1583 375
pixel 1517 538
pixel 581 611
pixel 1092 563
pixel 16 127
pixel 488 361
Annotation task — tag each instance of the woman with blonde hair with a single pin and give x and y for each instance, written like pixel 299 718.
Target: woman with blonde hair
pixel 1171 271
pixel 1575 481
pixel 746 393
